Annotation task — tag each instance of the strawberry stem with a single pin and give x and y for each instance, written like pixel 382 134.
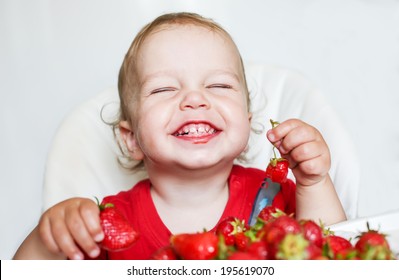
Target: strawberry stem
pixel 103 206
pixel 274 152
pixel 274 123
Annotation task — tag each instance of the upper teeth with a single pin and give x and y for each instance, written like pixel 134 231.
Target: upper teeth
pixel 195 129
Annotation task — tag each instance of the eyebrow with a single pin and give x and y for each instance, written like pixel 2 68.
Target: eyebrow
pixel 163 73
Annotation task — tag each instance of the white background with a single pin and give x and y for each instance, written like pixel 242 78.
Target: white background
pixel 55 54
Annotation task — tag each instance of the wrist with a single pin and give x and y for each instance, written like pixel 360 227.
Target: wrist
pixel 313 183
pixel 319 202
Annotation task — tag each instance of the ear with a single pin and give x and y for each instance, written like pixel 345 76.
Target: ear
pixel 249 116
pixel 130 141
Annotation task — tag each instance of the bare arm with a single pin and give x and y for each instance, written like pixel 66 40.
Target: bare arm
pixel 67 230
pixel 32 248
pixel 309 157
pixel 320 202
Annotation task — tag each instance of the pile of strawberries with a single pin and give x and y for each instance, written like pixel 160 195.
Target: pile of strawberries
pixel 275 236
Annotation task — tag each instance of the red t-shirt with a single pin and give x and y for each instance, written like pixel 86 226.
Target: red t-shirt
pixel 137 206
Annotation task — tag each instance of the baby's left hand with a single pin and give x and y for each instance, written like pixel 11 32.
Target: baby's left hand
pixel 304 148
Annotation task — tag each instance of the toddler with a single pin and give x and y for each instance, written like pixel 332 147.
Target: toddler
pixel 185 117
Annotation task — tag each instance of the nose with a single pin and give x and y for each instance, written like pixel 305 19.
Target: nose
pixel 194 99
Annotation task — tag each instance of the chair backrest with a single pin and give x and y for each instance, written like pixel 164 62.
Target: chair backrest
pixel 83 158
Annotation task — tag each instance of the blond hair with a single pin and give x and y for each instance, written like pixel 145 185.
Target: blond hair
pixel 128 83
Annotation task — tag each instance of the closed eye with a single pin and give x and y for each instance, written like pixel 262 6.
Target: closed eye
pixel 226 86
pixel 164 89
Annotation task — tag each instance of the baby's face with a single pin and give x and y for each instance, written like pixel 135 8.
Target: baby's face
pixel 192 107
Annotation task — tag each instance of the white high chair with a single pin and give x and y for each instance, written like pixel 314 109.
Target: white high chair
pixel 83 158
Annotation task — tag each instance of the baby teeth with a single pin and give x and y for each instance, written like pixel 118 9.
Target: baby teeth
pixel 196 129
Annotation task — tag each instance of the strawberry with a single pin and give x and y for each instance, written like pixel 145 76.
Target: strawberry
pixel 293 246
pixel 165 253
pixel 258 249
pixel 225 229
pixel 314 252
pixel 336 247
pixel 118 232
pixel 241 241
pixel 312 232
pixel 277 170
pixel 270 234
pixel 372 245
pixel 239 255
pixel 287 223
pixel 347 254
pixel 195 246
pixel 228 228
pixel 274 232
pixel 269 213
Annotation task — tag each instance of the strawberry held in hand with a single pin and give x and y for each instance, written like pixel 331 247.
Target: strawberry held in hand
pixel 277 169
pixel 118 233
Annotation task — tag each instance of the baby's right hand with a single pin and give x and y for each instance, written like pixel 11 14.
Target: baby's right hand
pixel 72 226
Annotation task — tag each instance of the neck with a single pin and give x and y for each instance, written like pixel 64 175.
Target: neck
pixel 192 200
pixel 187 186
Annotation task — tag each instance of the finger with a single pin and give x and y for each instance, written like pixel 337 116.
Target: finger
pixel 64 239
pixel 46 235
pixel 275 143
pixel 306 151
pixel 313 158
pixel 303 176
pixel 90 213
pixel 77 227
pixel 279 132
pixel 313 167
pixel 298 136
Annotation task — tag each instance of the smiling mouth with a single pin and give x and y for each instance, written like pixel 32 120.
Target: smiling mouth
pixel 195 130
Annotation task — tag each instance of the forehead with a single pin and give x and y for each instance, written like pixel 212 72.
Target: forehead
pixel 178 43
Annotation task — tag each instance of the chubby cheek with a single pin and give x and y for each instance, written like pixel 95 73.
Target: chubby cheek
pixel 241 129
pixel 244 132
pixel 150 128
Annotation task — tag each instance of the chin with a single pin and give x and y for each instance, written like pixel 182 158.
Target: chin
pixel 206 163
